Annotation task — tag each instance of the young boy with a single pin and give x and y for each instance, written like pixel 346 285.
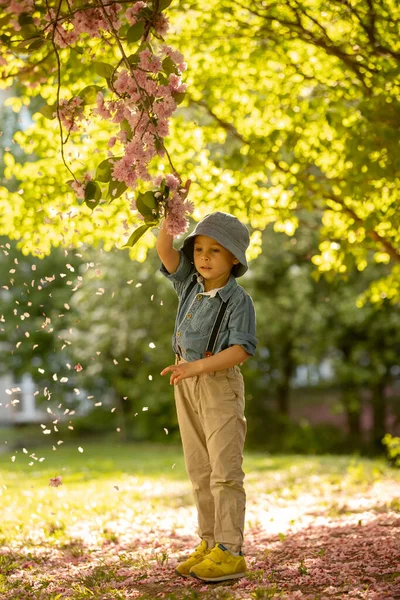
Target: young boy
pixel 214 333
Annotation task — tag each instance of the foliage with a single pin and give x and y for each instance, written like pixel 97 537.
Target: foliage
pixel 393 449
pixel 298 109
pixel 35 298
pixel 114 318
pixel 304 321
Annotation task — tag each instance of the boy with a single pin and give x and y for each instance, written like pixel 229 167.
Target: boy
pixel 214 333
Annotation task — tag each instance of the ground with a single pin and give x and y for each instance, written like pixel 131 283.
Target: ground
pixel 316 528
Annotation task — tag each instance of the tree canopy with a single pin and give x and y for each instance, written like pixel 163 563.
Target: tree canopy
pixel 289 106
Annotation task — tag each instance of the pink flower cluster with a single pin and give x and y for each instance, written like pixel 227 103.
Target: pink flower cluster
pixel 71 113
pixel 92 21
pixel 142 94
pixel 177 208
pixel 132 12
pixel 146 105
pixel 17 7
pixel 79 186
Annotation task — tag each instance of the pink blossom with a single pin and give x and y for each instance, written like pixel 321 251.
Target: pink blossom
pixel 162 128
pixel 17 7
pixel 175 83
pixel 151 87
pixel 71 113
pixel 55 481
pixel 158 179
pixel 165 107
pixel 172 182
pixel 131 13
pixel 177 208
pixel 102 110
pixel 149 62
pixel 176 56
pixel 78 367
pixel 121 82
pixel 161 24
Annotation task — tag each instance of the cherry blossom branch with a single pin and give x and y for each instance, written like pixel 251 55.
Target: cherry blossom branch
pixel 59 88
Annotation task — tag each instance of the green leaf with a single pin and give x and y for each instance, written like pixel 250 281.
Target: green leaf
pixel 28 32
pixel 89 93
pixel 149 200
pixel 104 170
pixel 25 19
pixel 92 194
pixel 116 189
pixel 48 110
pixel 103 69
pixel 179 97
pixel 135 32
pixel 5 20
pixel 146 203
pixel 169 66
pixel 163 4
pixel 133 59
pixel 136 235
pixel 163 79
pixel 124 126
pixel 145 46
pixel 38 43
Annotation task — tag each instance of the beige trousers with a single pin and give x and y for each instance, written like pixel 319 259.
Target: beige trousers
pixel 210 409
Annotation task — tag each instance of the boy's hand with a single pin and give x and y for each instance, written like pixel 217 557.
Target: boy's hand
pixel 181 371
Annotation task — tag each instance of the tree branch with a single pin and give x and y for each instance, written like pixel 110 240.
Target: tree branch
pixel 388 246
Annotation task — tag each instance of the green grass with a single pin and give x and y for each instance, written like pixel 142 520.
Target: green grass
pixel 120 506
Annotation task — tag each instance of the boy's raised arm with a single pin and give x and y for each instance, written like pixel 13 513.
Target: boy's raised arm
pixel 166 251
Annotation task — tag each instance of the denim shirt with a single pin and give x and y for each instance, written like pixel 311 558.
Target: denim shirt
pixel 197 313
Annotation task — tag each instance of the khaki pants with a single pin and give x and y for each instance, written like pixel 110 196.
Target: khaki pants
pixel 210 409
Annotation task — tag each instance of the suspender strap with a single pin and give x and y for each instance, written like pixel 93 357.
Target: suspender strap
pixel 188 290
pixel 217 323
pixel 215 330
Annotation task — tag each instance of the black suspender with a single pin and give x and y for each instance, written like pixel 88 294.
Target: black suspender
pixel 189 289
pixel 217 323
pixel 215 330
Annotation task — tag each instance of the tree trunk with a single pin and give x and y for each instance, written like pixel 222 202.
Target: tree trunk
pixel 283 388
pixel 379 410
pixel 352 405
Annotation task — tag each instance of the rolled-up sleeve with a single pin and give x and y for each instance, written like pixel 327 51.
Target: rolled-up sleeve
pixel 242 325
pixel 180 277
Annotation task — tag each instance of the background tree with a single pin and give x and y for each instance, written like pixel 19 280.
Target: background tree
pixel 290 106
pixel 120 331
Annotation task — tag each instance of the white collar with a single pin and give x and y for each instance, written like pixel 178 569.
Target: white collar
pixel 211 293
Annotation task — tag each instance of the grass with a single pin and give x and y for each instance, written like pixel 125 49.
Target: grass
pixel 124 514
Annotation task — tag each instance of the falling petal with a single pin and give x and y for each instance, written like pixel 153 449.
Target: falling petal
pixel 55 481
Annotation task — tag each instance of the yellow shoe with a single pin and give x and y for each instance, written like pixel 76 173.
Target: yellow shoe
pixel 219 565
pixel 193 559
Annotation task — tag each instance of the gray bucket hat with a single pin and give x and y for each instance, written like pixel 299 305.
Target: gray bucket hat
pixel 228 231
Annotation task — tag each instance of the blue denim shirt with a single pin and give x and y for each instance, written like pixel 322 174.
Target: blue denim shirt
pixel 196 315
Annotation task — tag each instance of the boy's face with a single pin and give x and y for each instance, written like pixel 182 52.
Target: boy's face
pixel 212 261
